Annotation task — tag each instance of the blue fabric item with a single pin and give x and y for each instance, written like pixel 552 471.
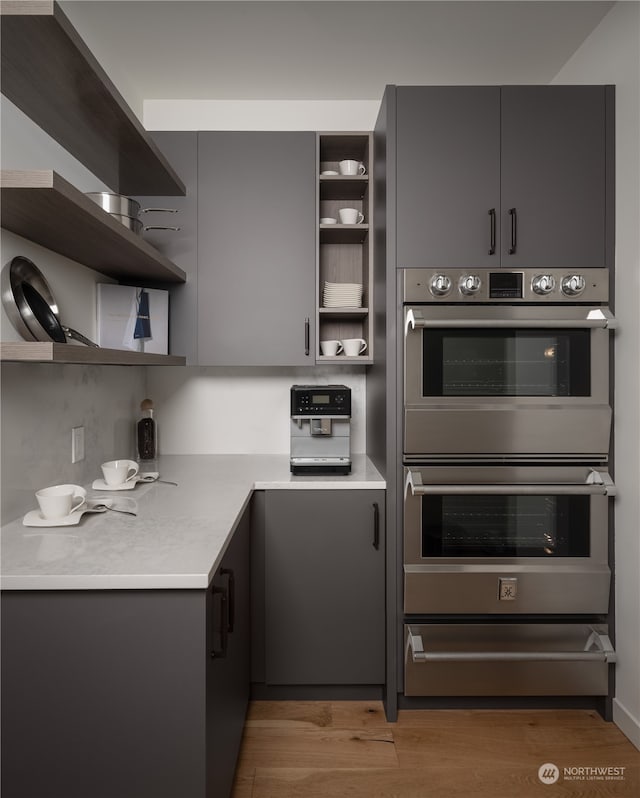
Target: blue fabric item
pixel 143 319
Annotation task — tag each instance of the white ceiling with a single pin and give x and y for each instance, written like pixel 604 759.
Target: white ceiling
pixel 325 49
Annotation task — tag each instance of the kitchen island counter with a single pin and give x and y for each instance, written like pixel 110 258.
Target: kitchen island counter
pixel 179 535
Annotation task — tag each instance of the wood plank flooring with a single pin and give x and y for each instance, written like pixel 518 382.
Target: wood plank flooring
pixel 346 749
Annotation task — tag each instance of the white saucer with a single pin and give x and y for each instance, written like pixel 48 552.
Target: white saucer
pixel 100 484
pixel 35 518
pixel 329 172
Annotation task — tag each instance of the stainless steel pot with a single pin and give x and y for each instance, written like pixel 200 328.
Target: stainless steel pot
pixel 126 210
pixel 30 305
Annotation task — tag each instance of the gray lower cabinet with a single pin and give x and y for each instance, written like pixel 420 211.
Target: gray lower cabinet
pixel 324 583
pixel 115 694
pixel 257 225
pixel 507 176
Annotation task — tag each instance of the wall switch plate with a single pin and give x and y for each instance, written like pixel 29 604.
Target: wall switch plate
pixel 507 589
pixel 77 444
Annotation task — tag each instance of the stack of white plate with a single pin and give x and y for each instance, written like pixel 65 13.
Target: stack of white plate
pixel 342 295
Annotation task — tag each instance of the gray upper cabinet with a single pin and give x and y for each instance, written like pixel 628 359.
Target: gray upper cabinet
pixel 504 176
pixel 256 248
pixel 553 176
pixel 448 175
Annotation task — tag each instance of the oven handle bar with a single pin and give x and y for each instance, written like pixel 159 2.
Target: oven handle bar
pixel 599 318
pixel 604 652
pixel 598 483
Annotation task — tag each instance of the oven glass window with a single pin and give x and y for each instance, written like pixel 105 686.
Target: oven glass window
pixel 529 362
pixel 505 526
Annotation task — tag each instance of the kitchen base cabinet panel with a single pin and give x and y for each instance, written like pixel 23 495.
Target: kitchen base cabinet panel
pixel 324 587
pixel 115 694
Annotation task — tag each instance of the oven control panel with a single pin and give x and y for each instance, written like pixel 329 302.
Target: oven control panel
pixel 506 286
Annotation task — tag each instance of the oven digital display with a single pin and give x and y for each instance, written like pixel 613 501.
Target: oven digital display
pixel 505 285
pixel 320 399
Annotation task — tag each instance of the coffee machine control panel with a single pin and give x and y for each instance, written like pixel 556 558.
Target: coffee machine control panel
pixel 320 400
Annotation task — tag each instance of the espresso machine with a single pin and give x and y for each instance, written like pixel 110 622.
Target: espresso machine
pixel 320 429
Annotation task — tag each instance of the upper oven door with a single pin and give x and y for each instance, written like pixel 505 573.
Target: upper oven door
pixel 489 381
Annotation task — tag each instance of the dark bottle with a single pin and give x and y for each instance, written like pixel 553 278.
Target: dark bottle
pixel 147 432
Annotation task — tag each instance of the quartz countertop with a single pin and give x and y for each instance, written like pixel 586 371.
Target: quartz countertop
pixel 179 535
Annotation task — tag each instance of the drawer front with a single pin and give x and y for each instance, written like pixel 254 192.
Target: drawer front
pixel 506 659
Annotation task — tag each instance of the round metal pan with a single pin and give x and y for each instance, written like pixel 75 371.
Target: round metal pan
pixel 137 226
pixel 115 203
pixel 30 305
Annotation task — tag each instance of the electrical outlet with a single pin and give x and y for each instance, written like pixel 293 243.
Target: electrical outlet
pixel 77 444
pixel 507 589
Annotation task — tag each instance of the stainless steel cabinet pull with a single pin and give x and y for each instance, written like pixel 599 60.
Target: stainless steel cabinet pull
pixel 604 652
pixel 307 336
pixel 514 230
pixel 376 525
pixel 598 484
pixel 492 231
pixel 599 318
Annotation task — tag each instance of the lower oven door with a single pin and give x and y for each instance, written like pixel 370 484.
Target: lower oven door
pixel 506 659
pixel 523 383
pixel 506 540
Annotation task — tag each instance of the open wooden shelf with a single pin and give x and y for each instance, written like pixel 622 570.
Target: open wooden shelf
pixel 362 360
pixel 343 233
pixel 343 186
pixel 43 207
pixel 43 352
pixel 337 313
pixel 51 75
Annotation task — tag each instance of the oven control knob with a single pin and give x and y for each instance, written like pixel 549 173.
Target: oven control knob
pixel 440 285
pixel 469 284
pixel 573 284
pixel 543 284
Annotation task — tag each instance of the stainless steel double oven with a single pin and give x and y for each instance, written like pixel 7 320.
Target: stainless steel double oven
pixel 507 422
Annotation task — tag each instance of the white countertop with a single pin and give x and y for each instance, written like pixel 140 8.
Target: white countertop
pixel 177 538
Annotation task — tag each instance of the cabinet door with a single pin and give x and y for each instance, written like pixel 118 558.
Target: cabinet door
pixel 228 670
pixel 256 248
pixel 324 584
pixel 553 175
pixel 448 176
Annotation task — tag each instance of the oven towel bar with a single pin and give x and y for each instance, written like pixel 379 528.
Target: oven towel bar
pixel 604 652
pixel 598 317
pixel 598 483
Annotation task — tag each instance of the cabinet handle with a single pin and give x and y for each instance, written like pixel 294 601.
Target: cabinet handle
pixel 232 597
pixel 514 230
pixel 307 336
pixel 492 231
pixel 376 525
pixel 220 653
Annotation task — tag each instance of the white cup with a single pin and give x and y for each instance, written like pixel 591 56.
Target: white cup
pixel 58 501
pixel 328 220
pixel 351 216
pixel 117 472
pixel 350 167
pixel 354 346
pixel 331 348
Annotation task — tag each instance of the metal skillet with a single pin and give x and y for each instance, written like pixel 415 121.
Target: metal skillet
pixel 31 306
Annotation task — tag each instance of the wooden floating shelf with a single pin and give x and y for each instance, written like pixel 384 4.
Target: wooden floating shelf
pixel 343 233
pixel 52 76
pixel 43 207
pixel 44 352
pixel 358 359
pixel 343 186
pixel 353 313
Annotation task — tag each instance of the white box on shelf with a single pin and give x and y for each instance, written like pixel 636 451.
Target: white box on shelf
pixel 118 312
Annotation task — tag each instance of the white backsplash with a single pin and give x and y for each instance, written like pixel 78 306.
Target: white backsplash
pixel 240 410
pixel 40 405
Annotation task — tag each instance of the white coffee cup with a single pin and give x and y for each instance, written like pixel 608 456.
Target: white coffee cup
pixel 58 501
pixel 351 216
pixel 117 472
pixel 354 346
pixel 350 167
pixel 328 220
pixel 331 348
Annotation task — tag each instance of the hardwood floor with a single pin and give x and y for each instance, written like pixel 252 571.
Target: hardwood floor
pixel 309 749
